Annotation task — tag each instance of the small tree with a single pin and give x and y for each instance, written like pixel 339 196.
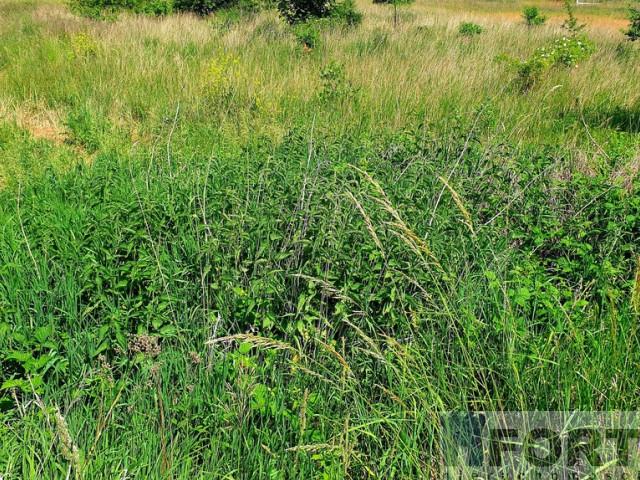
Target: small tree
pixel 395 4
pixel 634 27
pixel 532 16
pixel 571 24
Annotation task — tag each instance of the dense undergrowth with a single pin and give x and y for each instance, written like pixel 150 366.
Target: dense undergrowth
pixel 374 286
pixel 212 279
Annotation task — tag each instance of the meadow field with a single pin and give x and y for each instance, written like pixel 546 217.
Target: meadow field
pixel 231 248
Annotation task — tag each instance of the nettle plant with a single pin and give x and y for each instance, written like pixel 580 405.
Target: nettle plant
pixel 567 51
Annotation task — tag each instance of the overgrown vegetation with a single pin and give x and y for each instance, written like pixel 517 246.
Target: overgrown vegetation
pixel 532 16
pixel 567 51
pixel 232 257
pixel 101 9
pixel 633 33
pixel 106 8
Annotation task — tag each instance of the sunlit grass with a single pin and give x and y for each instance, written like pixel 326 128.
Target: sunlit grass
pixel 223 255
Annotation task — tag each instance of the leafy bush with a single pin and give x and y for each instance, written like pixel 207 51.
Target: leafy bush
pixel 153 7
pixel 567 51
pixel 307 34
pixel 335 85
pixel 533 17
pixel 469 29
pixel 296 11
pixel 199 7
pixel 564 52
pixel 633 33
pixel 105 8
pixel 345 12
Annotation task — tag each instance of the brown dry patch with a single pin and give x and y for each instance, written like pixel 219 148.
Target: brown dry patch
pixel 628 173
pixel 43 127
pixel 592 21
pixel 607 23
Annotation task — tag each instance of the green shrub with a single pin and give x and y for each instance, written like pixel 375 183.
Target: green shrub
pixel 345 12
pixel 469 29
pixel 567 51
pixel 106 8
pixel 307 34
pixel 564 52
pixel 335 84
pixel 95 8
pixel 296 11
pixel 533 17
pixel 155 7
pixel 231 9
pixel 633 33
pixel 199 7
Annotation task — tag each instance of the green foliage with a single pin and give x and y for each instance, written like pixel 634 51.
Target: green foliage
pixel 532 16
pixel 308 34
pixel 567 51
pixel 633 33
pixel 125 269
pixel 469 29
pixel 327 265
pixel 28 357
pixel 335 85
pixel 345 12
pixel 564 52
pixel 200 7
pixel 202 299
pixel 296 11
pixel 571 24
pixel 106 8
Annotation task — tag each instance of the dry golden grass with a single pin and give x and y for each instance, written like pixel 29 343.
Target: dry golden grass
pixel 421 72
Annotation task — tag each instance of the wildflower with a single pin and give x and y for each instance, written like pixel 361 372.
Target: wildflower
pixel 195 358
pixel 145 344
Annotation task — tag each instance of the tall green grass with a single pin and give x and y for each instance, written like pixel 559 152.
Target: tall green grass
pixel 365 296
pixel 195 284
